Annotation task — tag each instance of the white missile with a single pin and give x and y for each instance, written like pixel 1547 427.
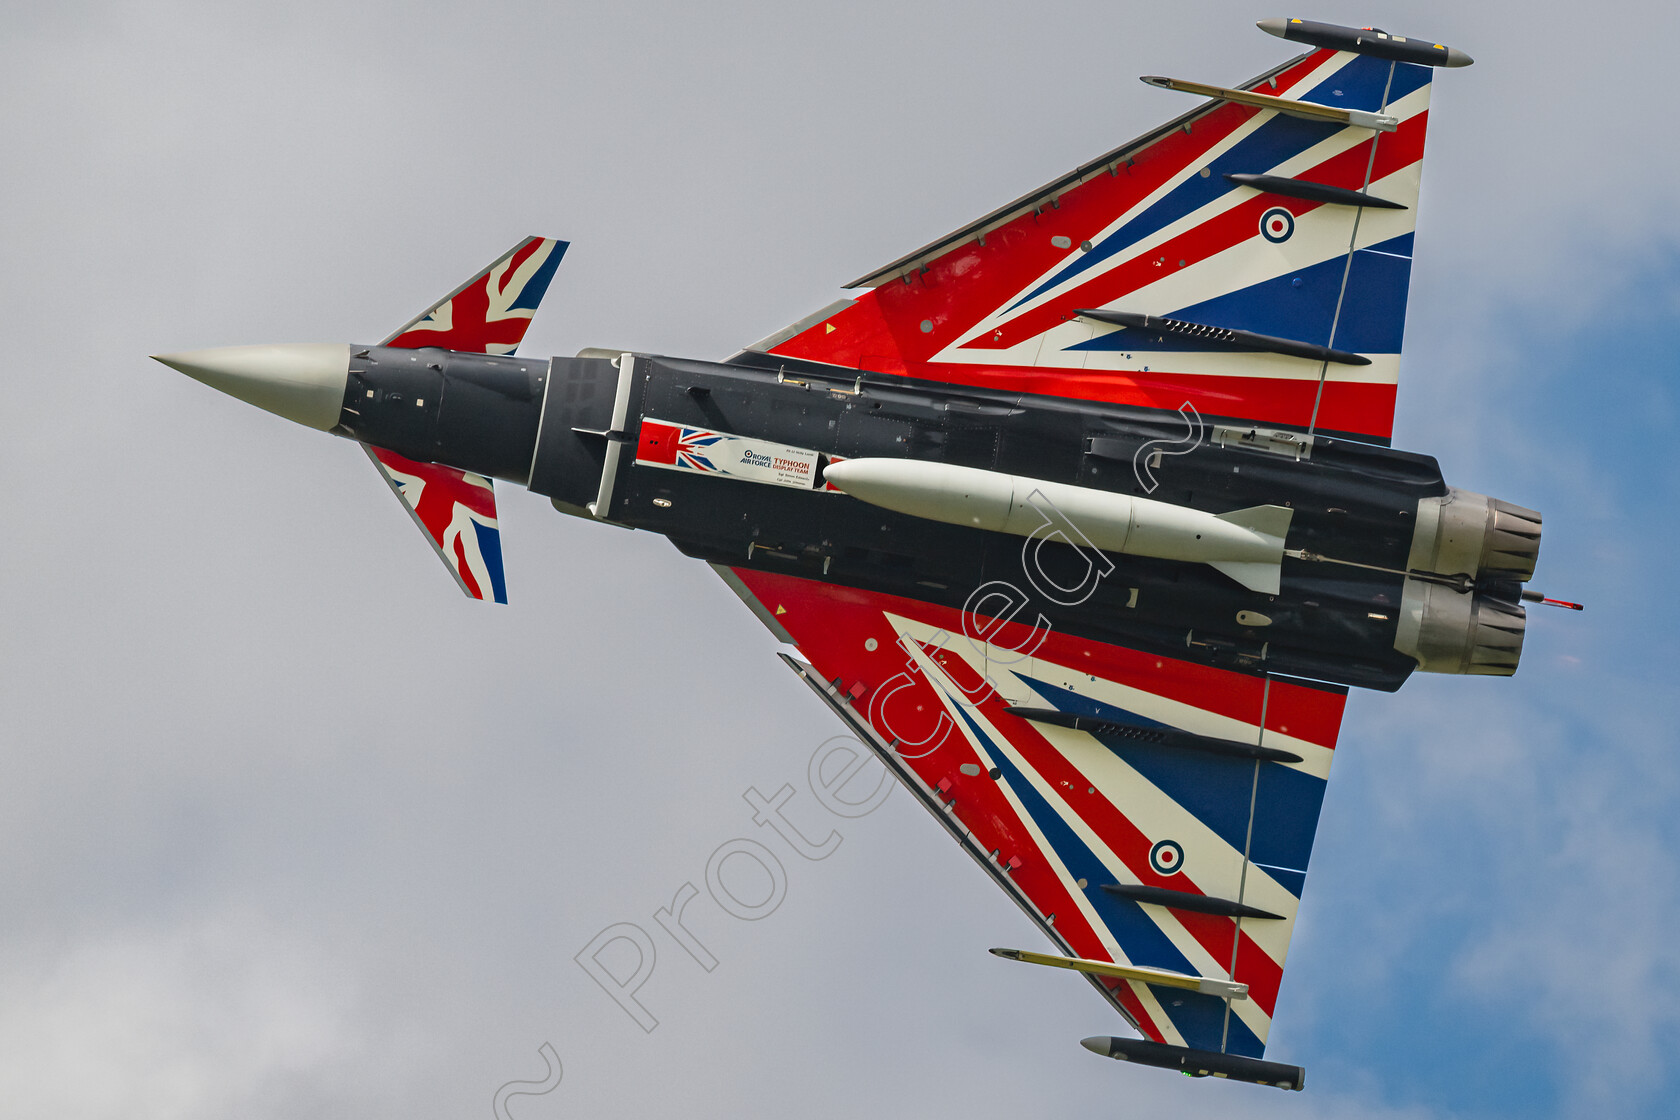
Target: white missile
pixel 1246 544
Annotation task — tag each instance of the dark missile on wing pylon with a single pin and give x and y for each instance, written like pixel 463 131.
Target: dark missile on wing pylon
pixel 1197 1063
pixel 1310 191
pixel 1117 726
pixel 1364 40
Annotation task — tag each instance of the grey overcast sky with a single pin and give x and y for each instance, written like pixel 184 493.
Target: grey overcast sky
pixel 290 828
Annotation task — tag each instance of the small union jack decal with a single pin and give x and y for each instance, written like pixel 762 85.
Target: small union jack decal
pixel 490 313
pixel 457 511
pixel 673 445
pixel 682 448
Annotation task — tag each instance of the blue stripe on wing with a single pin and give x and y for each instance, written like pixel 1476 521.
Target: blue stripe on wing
pixel 490 547
pixel 1300 305
pixel 1137 933
pixel 1279 139
pixel 1216 790
pixel 1199 1018
pixel 531 295
pixel 1361 83
pixel 1357 85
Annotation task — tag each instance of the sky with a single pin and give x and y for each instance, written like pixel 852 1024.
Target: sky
pixel 289 827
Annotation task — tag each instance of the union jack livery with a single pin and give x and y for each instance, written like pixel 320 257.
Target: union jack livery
pixel 457 511
pixel 1108 522
pixel 1185 226
pixel 489 314
pixel 673 445
pixel 1053 769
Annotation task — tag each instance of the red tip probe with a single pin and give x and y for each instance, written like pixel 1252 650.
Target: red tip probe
pixel 1536 597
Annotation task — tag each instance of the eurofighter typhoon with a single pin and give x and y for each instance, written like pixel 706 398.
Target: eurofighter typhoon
pixel 1084 517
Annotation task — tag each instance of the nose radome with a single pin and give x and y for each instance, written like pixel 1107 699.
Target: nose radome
pixel 303 381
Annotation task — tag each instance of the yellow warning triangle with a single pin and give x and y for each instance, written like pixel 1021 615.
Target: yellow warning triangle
pixel 780 609
pixel 828 328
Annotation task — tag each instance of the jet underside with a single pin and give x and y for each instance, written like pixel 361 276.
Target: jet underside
pixel 1335 618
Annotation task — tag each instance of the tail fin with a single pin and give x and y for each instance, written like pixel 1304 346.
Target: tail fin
pixel 489 314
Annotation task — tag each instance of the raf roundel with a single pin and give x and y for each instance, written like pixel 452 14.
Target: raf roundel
pixel 1276 225
pixel 1166 857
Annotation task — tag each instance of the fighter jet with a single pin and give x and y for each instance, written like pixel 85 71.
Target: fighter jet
pixel 1083 517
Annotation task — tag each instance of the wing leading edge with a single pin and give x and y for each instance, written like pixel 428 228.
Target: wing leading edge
pixel 1234 217
pixel 1108 791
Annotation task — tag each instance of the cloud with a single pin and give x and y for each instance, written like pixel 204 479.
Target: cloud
pixel 215 1015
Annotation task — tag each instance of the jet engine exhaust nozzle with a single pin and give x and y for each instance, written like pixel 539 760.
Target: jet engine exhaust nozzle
pixel 1492 547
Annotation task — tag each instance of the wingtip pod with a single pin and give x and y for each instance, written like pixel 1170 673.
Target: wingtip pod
pixel 1197 1063
pixel 1365 40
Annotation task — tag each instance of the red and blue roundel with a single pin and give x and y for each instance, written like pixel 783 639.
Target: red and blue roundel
pixel 1276 225
pixel 1166 857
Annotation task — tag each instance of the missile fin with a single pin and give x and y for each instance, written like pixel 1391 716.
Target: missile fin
pixel 1268 521
pixel 1271 523
pixel 1264 578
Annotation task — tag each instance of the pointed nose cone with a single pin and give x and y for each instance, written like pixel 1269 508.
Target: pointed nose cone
pixel 304 382
pixel 1097 1044
pixel 1273 26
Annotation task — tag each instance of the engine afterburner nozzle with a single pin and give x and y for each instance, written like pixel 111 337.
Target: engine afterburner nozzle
pixel 303 381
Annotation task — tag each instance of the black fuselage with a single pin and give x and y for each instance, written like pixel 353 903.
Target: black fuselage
pixel 550 425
